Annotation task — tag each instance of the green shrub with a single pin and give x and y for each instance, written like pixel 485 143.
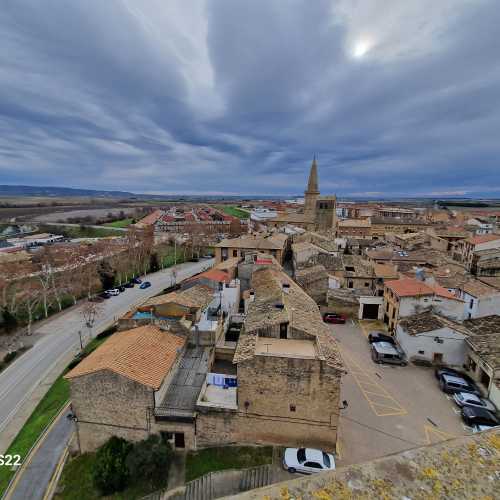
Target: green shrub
pixel 150 460
pixel 106 333
pixel 10 356
pixel 109 472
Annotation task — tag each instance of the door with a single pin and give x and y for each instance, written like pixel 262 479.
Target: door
pixel 370 311
pixel 437 358
pixel 179 440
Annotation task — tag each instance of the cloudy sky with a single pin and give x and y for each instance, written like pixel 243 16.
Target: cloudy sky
pixel 231 96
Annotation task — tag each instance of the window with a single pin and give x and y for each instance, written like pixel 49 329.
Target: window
pixel 235 253
pixel 292 408
pixel 367 284
pixel 421 352
pixel 301 455
pixel 313 465
pixel 349 284
pixel 471 303
pixel 326 460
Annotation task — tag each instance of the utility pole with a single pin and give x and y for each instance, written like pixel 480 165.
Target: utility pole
pixel 81 341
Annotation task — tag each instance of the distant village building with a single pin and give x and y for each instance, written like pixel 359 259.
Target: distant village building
pixel 274 244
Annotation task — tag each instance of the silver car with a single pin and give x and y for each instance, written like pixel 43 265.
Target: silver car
pixel 467 399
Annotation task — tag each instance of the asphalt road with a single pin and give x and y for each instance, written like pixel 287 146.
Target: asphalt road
pixel 35 477
pixel 60 337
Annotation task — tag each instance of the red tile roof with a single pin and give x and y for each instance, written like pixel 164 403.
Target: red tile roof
pixel 145 354
pixel 483 238
pixel 411 287
pixel 214 275
pixel 151 218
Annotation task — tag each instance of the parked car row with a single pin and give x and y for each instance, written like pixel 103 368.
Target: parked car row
pixel 477 412
pixel 112 292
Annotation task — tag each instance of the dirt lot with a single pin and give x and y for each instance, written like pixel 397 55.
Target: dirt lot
pixel 390 408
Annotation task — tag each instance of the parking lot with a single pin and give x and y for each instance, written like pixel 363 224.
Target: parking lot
pixel 390 408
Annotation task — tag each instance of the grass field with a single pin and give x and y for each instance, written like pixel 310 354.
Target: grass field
pixel 119 223
pixel 234 211
pixel 201 462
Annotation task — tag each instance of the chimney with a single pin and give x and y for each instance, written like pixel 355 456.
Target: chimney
pixel 285 287
pixel 420 274
pixel 252 296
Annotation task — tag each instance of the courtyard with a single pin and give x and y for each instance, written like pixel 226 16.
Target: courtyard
pixel 390 408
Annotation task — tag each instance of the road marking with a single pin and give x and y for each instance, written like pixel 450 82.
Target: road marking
pixel 382 403
pixel 49 492
pixel 438 435
pixel 20 471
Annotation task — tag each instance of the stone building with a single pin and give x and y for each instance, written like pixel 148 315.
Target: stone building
pixel 274 244
pixel 114 389
pixel 288 371
pixel 408 296
pixel 320 212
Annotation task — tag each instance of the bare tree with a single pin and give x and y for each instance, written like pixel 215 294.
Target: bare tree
pixel 30 299
pixel 90 311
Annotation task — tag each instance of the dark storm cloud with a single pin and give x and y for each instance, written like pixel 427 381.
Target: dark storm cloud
pixel 233 96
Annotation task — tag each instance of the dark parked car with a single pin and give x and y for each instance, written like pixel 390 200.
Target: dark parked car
pixel 478 416
pixel 137 281
pixel 130 284
pixel 452 384
pixel 144 285
pixel 380 337
pixel 121 288
pixel 105 295
pixel 334 318
pixel 454 373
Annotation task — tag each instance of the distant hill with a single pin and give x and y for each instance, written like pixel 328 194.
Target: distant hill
pixel 6 190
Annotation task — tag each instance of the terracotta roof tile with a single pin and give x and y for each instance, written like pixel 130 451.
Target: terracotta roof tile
pixel 483 238
pixel 410 287
pixel 196 296
pixel 144 354
pixel 212 274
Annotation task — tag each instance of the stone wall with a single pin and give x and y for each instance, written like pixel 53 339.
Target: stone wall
pixel 107 404
pixel 295 388
pixel 283 401
pixel 235 427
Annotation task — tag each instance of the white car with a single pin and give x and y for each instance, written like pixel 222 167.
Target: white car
pixel 307 460
pixel 113 291
pixel 467 399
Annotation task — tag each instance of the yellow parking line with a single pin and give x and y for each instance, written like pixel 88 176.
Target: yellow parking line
pixel 438 435
pixel 371 396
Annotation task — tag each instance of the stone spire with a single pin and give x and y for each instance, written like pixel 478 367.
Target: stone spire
pixel 312 185
pixel 311 194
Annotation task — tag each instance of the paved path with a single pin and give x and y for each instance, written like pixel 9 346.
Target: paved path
pixel 34 479
pixel 27 379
